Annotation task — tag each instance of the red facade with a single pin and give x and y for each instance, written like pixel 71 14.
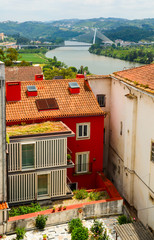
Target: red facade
pixel 93 145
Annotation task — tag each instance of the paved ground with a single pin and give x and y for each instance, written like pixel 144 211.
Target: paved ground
pixel 60 232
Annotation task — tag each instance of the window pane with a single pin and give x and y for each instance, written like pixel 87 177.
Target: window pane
pixel 42 184
pixel 84 164
pixel 28 156
pixel 79 163
pixel 80 131
pixel 85 130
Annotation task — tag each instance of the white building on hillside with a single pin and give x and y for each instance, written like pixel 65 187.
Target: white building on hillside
pixel 129 128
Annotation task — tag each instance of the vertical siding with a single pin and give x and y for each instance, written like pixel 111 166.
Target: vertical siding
pixel 51 153
pixel 21 187
pixel 58 183
pixel 14 157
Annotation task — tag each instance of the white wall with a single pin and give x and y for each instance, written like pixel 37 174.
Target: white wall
pixel 131 151
pixel 102 85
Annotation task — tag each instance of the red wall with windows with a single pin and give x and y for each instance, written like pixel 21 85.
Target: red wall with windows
pixel 94 145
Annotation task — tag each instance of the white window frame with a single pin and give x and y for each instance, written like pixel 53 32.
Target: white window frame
pixel 27 143
pixel 87 162
pixel 88 130
pixel 48 187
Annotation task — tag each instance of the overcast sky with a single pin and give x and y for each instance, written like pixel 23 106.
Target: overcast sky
pixel 46 10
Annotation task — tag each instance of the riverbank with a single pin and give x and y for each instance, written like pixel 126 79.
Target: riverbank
pixel 139 54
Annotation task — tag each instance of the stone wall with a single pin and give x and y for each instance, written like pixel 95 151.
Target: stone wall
pixel 89 210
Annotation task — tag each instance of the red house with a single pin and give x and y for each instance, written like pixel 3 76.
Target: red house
pixel 73 103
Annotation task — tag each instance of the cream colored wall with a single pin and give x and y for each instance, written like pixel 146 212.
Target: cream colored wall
pixel 103 86
pixel 132 151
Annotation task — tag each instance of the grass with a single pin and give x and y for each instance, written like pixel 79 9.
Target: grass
pixel 46 127
pixel 33 57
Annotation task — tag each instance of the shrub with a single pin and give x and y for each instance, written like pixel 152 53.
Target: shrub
pixel 81 194
pixel 20 233
pixel 80 233
pixel 41 221
pixel 123 220
pixel 96 195
pixel 34 207
pixel 74 223
pixel 97 228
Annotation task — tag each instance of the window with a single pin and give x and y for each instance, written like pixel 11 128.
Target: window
pixel 82 130
pixel 46 104
pixel 42 184
pixel 101 100
pixel 121 128
pixel 28 154
pixel 82 162
pixel 152 152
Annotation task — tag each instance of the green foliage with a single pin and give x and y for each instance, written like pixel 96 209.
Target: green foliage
pixel 123 220
pixel 20 233
pixel 68 156
pixel 97 228
pixel 80 233
pixel 74 223
pixel 95 196
pixel 80 194
pixel 34 207
pixel 141 54
pixel 66 73
pixel 41 221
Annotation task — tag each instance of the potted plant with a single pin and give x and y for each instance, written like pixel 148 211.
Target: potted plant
pixel 64 208
pixel 68 158
pixel 53 209
pixel 44 237
pixel 60 208
pixel 80 210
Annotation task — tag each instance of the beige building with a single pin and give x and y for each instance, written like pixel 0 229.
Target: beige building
pixel 2 36
pixel 129 128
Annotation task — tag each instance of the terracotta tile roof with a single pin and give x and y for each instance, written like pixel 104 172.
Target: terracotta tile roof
pixel 82 104
pixel 142 76
pixel 22 73
pixel 3 206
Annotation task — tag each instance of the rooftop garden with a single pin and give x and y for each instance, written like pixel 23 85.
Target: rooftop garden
pixel 46 127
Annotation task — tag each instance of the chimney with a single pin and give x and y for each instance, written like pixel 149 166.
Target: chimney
pixel 13 91
pixel 80 76
pixel 31 91
pixel 38 77
pixel 74 87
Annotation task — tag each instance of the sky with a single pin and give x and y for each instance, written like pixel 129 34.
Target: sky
pixel 48 10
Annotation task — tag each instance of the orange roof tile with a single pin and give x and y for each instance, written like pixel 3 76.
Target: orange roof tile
pixel 3 206
pixel 22 73
pixel 142 76
pixel 82 104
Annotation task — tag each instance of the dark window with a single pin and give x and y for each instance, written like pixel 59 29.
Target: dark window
pixel 101 100
pixel 121 126
pixel 27 156
pixel 46 104
pixel 152 152
pixel 42 184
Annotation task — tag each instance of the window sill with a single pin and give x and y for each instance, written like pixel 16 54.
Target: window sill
pixel 82 173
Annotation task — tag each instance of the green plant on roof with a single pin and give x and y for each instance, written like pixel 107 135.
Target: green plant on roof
pixel 46 127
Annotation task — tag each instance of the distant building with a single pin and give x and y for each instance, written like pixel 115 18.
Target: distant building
pixel 2 36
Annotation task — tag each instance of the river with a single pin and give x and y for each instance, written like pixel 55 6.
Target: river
pixel 80 56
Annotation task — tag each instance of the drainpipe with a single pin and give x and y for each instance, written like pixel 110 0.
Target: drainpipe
pixel 3 122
